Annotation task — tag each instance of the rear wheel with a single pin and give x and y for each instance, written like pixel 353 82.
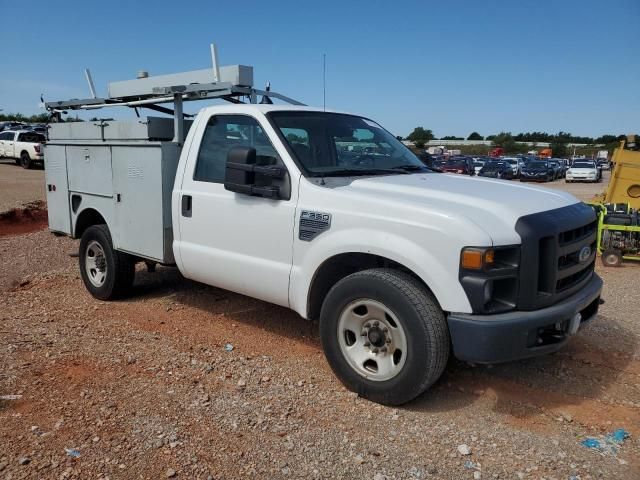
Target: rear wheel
pixel 384 335
pixel 612 258
pixel 106 273
pixel 25 160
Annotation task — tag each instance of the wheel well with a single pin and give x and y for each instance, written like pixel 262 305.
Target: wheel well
pixel 25 151
pixel 86 219
pixel 339 266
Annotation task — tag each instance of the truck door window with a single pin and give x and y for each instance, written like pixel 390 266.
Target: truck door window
pixel 224 132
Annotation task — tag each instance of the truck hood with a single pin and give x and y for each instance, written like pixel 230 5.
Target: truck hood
pixel 493 205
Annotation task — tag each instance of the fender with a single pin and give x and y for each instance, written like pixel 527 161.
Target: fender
pixel 432 266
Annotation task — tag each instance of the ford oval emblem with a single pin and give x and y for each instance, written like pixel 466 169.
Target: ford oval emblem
pixel 584 254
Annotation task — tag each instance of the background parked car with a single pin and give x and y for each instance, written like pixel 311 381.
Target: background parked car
pixel 516 165
pixel 477 165
pixel 563 165
pixel 438 164
pixel 24 146
pixel 9 126
pixel 557 168
pixel 497 169
pixel 537 171
pixel 461 165
pixel 583 171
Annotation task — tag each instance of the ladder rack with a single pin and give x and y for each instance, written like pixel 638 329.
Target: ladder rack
pixel 233 83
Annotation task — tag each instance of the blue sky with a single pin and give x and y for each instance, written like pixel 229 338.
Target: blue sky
pixel 453 66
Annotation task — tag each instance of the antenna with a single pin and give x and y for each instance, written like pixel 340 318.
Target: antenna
pixel 214 61
pixel 324 81
pixel 87 74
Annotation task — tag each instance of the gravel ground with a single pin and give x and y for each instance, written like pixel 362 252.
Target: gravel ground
pixel 582 190
pixel 145 388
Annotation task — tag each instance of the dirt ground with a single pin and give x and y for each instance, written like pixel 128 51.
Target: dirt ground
pixel 19 186
pixel 182 380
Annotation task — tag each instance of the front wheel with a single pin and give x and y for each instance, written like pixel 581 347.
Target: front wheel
pixel 106 273
pixel 384 335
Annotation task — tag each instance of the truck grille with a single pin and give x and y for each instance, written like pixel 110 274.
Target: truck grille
pixel 558 254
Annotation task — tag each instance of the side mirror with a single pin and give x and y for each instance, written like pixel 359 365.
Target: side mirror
pixel 241 170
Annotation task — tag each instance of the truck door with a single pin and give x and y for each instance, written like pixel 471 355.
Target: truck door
pixel 10 146
pixel 4 137
pixel 7 144
pixel 231 240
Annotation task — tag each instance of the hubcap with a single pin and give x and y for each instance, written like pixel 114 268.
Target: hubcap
pixel 95 264
pixel 372 339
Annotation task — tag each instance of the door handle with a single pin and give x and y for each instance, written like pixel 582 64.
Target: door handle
pixel 186 205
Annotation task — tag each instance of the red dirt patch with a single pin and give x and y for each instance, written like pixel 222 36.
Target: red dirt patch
pixel 31 218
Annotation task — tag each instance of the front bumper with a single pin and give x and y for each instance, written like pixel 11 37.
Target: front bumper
pixel 581 178
pixel 521 334
pixel 534 176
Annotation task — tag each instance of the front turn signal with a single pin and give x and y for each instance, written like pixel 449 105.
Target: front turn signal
pixel 477 258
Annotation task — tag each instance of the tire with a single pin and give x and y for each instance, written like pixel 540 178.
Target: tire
pixel 25 160
pixel 611 258
pixel 420 328
pixel 113 272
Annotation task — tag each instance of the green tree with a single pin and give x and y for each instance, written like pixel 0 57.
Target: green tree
pixel 559 149
pixel 506 141
pixel 475 136
pixel 420 136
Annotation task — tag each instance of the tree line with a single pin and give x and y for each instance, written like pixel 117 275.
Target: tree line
pixel 558 142
pixel 18 117
pixel 420 134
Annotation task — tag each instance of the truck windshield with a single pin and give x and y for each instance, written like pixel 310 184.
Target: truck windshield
pixel 337 144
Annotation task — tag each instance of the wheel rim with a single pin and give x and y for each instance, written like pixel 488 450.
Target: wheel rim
pixel 611 259
pixel 372 340
pixel 25 160
pixel 95 264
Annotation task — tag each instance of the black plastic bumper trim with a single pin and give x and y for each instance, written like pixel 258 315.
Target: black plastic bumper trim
pixel 504 337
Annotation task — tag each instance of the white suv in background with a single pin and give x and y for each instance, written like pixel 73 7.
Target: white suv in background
pixel 583 171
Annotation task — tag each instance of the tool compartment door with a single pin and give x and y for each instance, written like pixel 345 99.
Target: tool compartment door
pixel 89 169
pixel 57 188
pixel 137 184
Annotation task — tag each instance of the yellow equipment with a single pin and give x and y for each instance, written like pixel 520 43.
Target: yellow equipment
pixel 624 185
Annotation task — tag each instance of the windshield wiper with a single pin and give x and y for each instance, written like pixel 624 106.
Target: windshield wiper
pixel 353 172
pixel 411 168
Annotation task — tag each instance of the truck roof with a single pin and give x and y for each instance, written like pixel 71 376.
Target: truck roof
pixel 263 108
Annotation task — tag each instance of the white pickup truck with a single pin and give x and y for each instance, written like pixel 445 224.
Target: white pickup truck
pixel 401 266
pixel 24 146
